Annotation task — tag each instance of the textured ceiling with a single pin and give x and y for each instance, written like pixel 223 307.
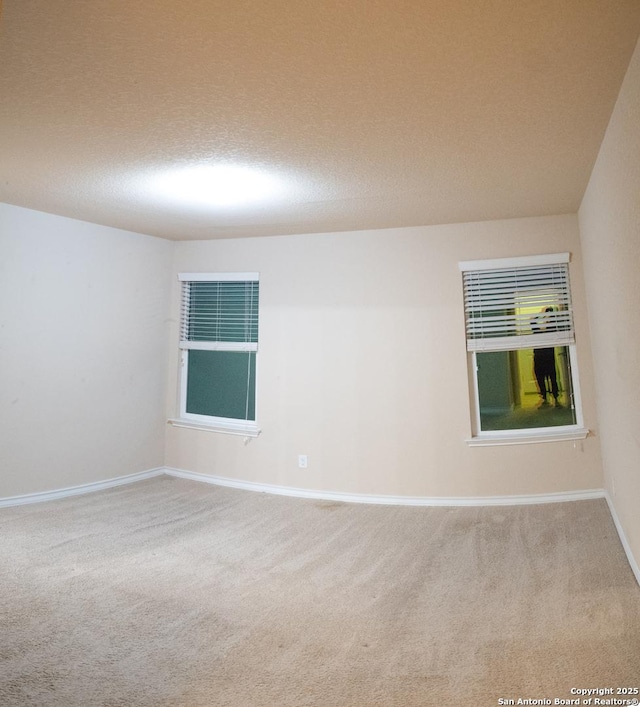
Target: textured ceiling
pixel 373 113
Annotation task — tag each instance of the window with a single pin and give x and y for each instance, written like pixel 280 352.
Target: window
pixel 521 348
pixel 219 344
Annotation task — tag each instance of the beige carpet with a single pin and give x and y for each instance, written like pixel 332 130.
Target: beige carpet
pixel 171 592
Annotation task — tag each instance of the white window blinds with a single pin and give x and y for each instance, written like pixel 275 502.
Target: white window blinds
pixel 219 311
pixel 524 304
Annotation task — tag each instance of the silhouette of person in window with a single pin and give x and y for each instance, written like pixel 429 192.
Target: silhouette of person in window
pixel 544 361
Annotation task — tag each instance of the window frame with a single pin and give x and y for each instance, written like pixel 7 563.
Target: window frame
pixel 228 425
pixel 481 437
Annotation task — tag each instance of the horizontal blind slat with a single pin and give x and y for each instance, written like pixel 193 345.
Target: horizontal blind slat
pixel 506 308
pixel 224 311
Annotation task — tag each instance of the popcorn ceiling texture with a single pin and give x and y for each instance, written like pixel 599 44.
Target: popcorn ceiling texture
pixel 377 114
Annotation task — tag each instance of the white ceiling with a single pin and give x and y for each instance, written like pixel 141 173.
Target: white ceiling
pixel 372 113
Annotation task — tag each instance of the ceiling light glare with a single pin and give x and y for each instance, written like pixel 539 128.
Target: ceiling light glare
pixel 221 186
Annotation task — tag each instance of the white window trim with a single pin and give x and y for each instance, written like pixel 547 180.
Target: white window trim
pixel 224 425
pixel 531 435
pixel 219 277
pixel 219 424
pixel 523 261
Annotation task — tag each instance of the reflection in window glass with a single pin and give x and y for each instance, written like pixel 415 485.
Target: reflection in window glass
pixel 525 388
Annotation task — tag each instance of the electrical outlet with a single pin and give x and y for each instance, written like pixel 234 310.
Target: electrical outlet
pixel 302 461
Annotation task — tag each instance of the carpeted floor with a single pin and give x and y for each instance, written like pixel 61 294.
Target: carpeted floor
pixel 176 593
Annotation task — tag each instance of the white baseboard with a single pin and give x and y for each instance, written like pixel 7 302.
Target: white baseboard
pixel 623 538
pixel 420 500
pixel 389 500
pixel 334 496
pixel 310 493
pixel 78 490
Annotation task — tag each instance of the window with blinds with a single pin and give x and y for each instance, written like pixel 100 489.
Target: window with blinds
pixel 517 306
pixel 223 313
pixel 219 342
pixel 521 344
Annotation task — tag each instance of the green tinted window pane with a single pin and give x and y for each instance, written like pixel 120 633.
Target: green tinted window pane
pixel 524 389
pixel 222 384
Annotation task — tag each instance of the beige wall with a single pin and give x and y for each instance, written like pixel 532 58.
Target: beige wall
pixel 362 365
pixel 82 351
pixel 610 233
pixel 362 361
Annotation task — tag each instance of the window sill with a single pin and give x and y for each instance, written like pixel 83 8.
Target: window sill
pixel 243 429
pixel 487 439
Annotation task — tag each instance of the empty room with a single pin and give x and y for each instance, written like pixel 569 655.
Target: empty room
pixel 319 338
